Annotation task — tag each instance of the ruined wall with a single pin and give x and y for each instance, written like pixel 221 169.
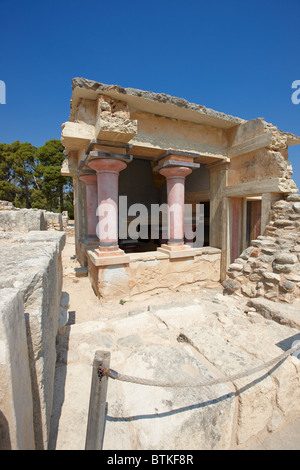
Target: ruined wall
pixel 21 220
pixel 259 165
pixel 162 132
pixel 270 266
pixel 13 219
pixel 16 407
pixel 154 272
pixel 258 151
pixel 30 317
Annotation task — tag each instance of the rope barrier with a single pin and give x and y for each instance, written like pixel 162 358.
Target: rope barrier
pixel 231 378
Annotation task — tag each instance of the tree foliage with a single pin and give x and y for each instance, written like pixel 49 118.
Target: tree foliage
pixel 31 177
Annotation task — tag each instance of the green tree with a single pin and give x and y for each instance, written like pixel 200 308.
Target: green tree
pixel 8 190
pixel 53 185
pixel 21 158
pixel 31 177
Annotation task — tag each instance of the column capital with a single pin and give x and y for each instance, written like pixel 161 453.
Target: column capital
pixel 105 164
pixel 88 179
pixel 175 172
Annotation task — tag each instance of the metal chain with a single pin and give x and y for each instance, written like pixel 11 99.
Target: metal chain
pixel 231 378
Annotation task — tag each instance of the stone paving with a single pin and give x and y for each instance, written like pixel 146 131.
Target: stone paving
pixel 188 336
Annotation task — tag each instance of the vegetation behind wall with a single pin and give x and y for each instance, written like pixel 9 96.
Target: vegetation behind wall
pixel 30 177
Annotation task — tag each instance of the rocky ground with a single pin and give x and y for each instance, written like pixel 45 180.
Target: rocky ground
pixel 184 336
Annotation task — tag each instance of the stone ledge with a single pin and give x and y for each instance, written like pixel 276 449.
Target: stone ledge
pixel 283 314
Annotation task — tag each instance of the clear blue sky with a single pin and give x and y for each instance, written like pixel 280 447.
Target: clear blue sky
pixel 235 56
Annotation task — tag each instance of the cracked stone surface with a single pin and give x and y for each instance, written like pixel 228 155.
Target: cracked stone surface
pixel 192 336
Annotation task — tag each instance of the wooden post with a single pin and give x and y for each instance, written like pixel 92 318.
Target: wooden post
pixel 96 417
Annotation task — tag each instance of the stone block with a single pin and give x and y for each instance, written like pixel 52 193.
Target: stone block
pixel 22 220
pixel 16 407
pixel 196 418
pixel 271 276
pixel 32 263
pixel 231 286
pixel 285 258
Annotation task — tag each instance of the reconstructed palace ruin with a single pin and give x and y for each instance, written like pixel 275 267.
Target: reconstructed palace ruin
pixel 169 198
pixel 152 148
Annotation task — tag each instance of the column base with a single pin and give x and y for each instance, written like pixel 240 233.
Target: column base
pixel 108 256
pixel 177 250
pixel 91 242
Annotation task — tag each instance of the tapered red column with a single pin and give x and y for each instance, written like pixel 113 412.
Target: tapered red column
pixel 107 181
pixel 91 204
pixel 175 192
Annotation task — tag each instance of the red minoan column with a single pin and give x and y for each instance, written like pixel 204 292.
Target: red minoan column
pixel 108 194
pixel 175 192
pixel 91 204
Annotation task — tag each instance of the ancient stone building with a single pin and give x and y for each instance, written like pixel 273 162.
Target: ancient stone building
pixel 154 149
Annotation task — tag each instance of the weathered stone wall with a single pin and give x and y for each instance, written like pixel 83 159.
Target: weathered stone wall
pixel 54 221
pixel 16 407
pixel 154 272
pixel 22 220
pixel 266 159
pixel 270 266
pixel 31 264
pixel 13 219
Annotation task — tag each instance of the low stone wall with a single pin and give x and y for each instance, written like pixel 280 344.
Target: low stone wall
pixel 54 221
pixel 13 219
pixel 270 266
pixel 154 272
pixel 22 220
pixel 30 292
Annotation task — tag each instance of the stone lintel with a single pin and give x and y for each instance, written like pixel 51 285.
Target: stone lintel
pixel 108 143
pixel 86 172
pixel 253 188
pixel 178 153
pixel 99 154
pixel 172 163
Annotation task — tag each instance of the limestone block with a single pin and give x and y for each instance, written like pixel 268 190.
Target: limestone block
pixel 32 263
pixel 236 267
pixel 195 418
pixel 22 220
pixel 149 273
pixel 280 313
pixel 249 290
pixel 296 207
pixel 271 276
pixel 247 253
pixel 63 313
pixel 112 128
pixel 285 258
pixel 231 286
pixel 54 221
pixel 77 134
pixel 282 268
pixel 287 286
pixel 16 408
pixel 255 403
pixel 283 222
